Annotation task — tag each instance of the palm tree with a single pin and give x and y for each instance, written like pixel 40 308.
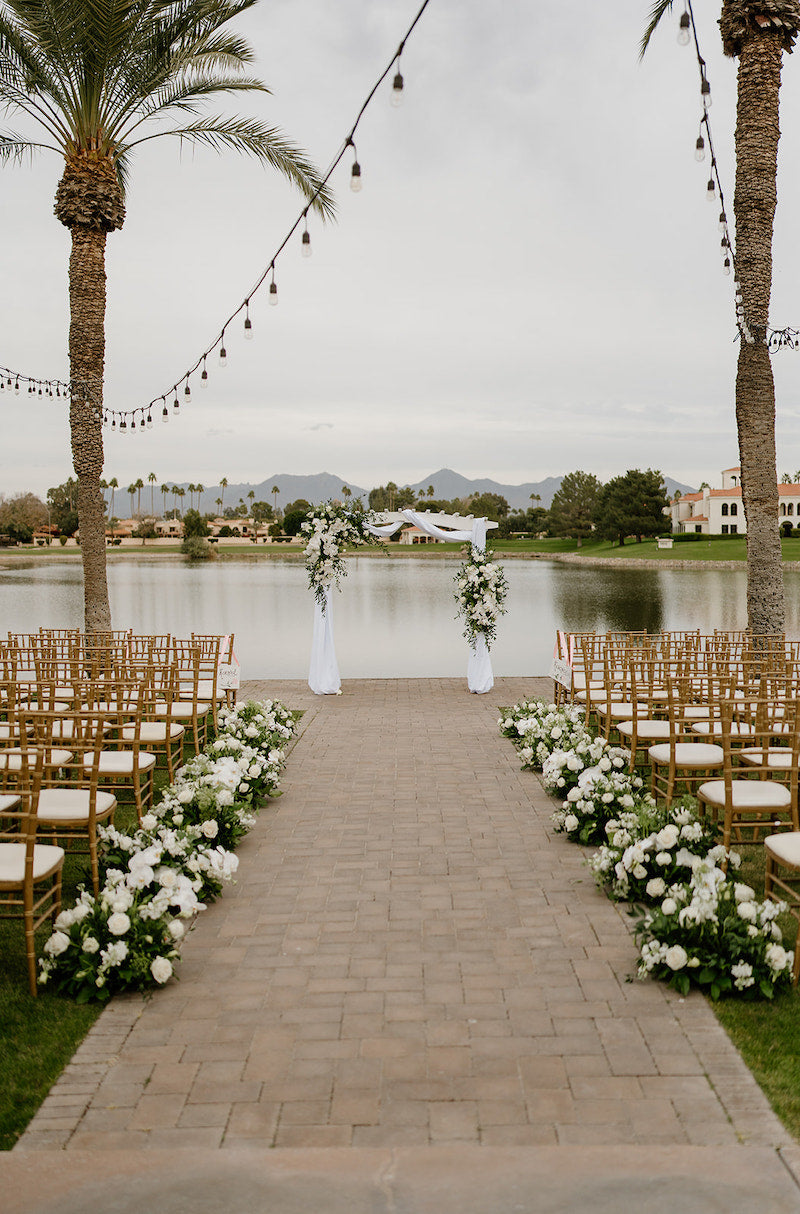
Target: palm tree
pixel 181 493
pixel 219 503
pixel 223 484
pixel 199 490
pixel 347 492
pixel 112 484
pixel 131 491
pixel 251 496
pixel 756 34
pixel 139 487
pixel 152 478
pixel 191 489
pixel 164 490
pixel 430 490
pixel 275 491
pixel 91 76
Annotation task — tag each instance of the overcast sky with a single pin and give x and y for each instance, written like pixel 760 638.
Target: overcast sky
pixel 529 282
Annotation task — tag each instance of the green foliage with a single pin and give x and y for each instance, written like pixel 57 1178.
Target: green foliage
pixel 573 506
pixel 632 504
pixel 194 525
pixel 293 520
pixel 261 512
pixel 488 505
pixel 197 549
pixel 20 516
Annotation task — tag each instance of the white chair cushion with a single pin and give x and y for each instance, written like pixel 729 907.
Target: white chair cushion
pixel 785 847
pixel 184 709
pixel 619 709
pixel 153 731
pixel 777 758
pixel 205 690
pixel 46 860
pixel 644 729
pixel 71 804
pixel 739 729
pixel 8 801
pixel 120 762
pixel 747 794
pixel 689 754
pixel 13 758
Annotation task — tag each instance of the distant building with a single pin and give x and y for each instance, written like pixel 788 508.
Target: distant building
pixel 721 512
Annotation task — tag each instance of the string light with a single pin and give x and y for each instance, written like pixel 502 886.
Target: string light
pixel 118 418
pixel 683 30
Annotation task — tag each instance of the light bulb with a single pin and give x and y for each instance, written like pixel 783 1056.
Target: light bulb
pixel 700 149
pixel 396 98
pixel 248 329
pixel 723 223
pixel 122 427
pixel 223 357
pixel 726 266
pixel 16 388
pixel 187 394
pixel 204 376
pixel 705 94
pixel 355 177
pixel 133 424
pixel 683 30
pixel 165 413
pixel 710 188
pixel 305 244
pixel 113 423
pixel 176 406
pixel 149 420
pixel 273 294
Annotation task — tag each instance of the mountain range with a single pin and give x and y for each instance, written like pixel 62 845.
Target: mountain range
pixel 324 485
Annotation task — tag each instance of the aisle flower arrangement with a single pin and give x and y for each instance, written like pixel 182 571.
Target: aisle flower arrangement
pixel 697 925
pixel 481 591
pixel 164 873
pixel 329 529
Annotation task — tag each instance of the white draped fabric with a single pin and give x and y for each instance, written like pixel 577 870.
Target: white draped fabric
pixel 323 678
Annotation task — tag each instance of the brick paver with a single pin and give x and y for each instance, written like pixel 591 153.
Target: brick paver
pixel 410 957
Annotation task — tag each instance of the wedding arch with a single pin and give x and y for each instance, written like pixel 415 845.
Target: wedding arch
pixel 332 527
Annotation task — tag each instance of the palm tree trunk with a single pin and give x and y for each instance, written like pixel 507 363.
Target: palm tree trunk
pixel 87 299
pixel 757 135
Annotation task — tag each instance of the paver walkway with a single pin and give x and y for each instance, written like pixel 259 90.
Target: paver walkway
pixel 410 959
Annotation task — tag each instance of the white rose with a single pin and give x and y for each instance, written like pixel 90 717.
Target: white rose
pixel 669 906
pixel 676 957
pixel 210 828
pixel 118 923
pixel 176 929
pixel 742 892
pixel 571 823
pixel 161 969
pixel 90 945
pixel 655 887
pixel 747 911
pixel 664 858
pixel 56 945
pixel 185 794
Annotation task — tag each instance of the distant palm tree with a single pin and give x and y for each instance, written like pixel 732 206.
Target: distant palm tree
pixel 223 484
pixel 347 492
pixel 786 479
pixel 174 491
pixel 90 74
pixel 181 494
pixel 251 496
pixel 139 487
pixel 191 489
pixel 199 490
pixel 131 490
pixel 219 503
pixel 164 490
pixel 430 490
pixel 275 491
pixel 152 478
pixel 112 484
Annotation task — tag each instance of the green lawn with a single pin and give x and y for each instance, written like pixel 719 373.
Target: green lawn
pixel 718 548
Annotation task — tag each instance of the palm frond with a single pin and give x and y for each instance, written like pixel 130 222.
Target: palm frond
pixel 18 148
pixel 265 144
pixel 658 10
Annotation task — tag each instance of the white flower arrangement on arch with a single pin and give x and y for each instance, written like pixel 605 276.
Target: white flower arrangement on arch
pixel 481 592
pixel 329 529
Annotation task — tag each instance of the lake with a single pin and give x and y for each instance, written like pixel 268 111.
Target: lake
pixel 393 619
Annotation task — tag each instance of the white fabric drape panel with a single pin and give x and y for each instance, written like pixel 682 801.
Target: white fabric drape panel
pixel 323 678
pixel 323 675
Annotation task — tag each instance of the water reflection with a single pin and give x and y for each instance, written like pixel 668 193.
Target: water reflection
pixel 394 619
pixel 609 599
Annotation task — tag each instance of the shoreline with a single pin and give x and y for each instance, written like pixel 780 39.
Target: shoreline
pixel 9 559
